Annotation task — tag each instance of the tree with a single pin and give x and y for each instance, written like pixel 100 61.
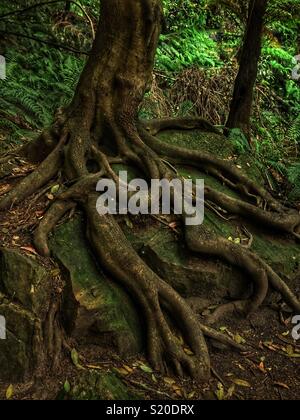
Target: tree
pixel 101 127
pixel 241 105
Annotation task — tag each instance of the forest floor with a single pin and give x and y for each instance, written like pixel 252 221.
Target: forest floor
pixel 269 370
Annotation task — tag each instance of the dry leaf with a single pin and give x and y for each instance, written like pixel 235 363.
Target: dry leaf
pixel 122 371
pixel 169 381
pixel 75 359
pixel 241 382
pixel 191 395
pixel 128 368
pixel 188 351
pixel 281 385
pixel 9 392
pixel 220 394
pixel 29 249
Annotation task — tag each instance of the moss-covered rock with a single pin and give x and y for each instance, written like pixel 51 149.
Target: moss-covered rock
pixel 102 312
pixel 24 280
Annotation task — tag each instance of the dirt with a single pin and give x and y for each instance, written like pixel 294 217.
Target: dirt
pixel 266 372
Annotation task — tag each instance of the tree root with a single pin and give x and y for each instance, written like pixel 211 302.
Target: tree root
pixel 57 210
pixel 37 179
pixel 124 264
pixel 156 298
pixel 201 240
pixel 224 170
pixel 156 126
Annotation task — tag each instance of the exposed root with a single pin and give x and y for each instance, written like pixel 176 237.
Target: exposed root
pixel 216 335
pixel 201 240
pixel 222 169
pixel 166 313
pixel 156 126
pixel 124 264
pixel 47 224
pixel 37 179
pixel 239 306
pixel 53 334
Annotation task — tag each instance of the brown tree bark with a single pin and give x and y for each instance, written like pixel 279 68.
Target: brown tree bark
pixel 241 104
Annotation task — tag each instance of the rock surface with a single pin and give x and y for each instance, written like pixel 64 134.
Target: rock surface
pixel 103 313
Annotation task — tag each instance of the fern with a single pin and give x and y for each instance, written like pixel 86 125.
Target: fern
pixel 294 179
pixel 187 48
pixel 36 86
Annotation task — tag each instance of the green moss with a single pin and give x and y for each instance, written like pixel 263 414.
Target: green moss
pixel 108 307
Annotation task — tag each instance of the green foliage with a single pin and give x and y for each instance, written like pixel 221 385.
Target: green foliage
pixel 294 179
pixel 183 14
pixel 239 140
pixel 187 48
pixel 36 85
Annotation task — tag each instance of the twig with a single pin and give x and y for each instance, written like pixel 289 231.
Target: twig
pixel 146 387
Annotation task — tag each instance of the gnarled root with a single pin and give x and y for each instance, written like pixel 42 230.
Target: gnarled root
pixel 124 264
pixel 57 210
pixel 37 179
pixel 155 297
pixel 201 240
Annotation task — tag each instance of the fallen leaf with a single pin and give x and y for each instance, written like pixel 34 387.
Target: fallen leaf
pixel 231 391
pixel 239 339
pixel 220 394
pixel 262 368
pixel 128 368
pixel 29 249
pixel 241 382
pixel 122 371
pixel 146 368
pixel 75 359
pixel 169 381
pixel 55 189
pixel 281 385
pixel 188 351
pixel 191 395
pixel 67 387
pixel 9 392
pixel 179 392
pixel 94 367
pixel 154 378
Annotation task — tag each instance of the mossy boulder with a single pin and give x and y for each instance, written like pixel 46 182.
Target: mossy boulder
pixel 24 280
pixel 24 302
pixel 102 313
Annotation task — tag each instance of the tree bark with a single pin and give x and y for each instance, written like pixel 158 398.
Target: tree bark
pixel 241 105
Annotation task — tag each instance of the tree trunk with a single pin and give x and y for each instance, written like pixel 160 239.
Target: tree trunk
pixel 241 105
